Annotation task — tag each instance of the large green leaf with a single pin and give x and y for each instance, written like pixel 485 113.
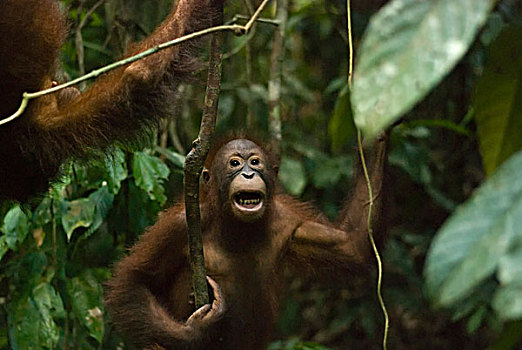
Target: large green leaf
pixel 477 239
pixel 410 45
pixel 498 100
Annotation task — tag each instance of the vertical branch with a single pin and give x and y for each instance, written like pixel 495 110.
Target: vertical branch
pixel 80 50
pixel 194 164
pixel 274 85
pixel 248 62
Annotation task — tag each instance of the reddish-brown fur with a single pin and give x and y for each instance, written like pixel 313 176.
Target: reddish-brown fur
pixel 149 295
pixel 119 106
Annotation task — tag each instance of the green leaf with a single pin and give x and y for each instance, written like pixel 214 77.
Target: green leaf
pixel 149 173
pixel 85 294
pixel 102 200
pixel 341 128
pixel 3 246
pixel 498 100
pixel 470 245
pixel 175 158
pixel 409 46
pixel 292 176
pixel 15 227
pixel 31 319
pixel 77 213
pixel 42 214
pixel 116 169
pixel 508 302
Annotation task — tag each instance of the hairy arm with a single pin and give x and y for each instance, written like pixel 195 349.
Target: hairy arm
pixel 346 245
pixel 120 104
pixel 136 294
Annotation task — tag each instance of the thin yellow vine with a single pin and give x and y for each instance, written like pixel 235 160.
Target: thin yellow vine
pixel 369 185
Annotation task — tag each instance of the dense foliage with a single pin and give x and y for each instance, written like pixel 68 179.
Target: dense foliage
pixel 451 69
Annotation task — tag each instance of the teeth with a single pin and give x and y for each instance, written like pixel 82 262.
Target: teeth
pixel 249 201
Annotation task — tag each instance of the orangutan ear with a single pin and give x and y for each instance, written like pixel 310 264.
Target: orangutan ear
pixel 205 175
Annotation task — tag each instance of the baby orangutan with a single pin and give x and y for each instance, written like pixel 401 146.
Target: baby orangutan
pixel 250 235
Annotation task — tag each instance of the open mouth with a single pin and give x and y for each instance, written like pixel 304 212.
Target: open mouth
pixel 248 200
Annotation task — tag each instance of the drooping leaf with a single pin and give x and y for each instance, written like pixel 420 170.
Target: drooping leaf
pixel 292 176
pixel 15 227
pixel 102 200
pixel 473 241
pixel 86 298
pixel 409 46
pixel 76 213
pixel 498 100
pixel 149 173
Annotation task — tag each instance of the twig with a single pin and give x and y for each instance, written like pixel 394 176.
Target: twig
pixel 236 18
pixel 235 28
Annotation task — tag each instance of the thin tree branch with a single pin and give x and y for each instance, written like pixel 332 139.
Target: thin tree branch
pixel 249 69
pixel 192 171
pixel 235 28
pixel 276 71
pixel 80 52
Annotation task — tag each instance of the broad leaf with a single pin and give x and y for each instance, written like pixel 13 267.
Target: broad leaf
pixel 149 173
pixel 477 237
pixel 498 100
pixel 410 45
pixel 15 227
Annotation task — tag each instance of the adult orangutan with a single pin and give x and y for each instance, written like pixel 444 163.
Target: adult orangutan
pixel 119 106
pixel 251 234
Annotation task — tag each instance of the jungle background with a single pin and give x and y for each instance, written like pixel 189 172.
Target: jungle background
pixel 448 283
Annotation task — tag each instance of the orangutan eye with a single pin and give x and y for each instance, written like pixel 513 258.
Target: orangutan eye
pixel 234 163
pixel 254 161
